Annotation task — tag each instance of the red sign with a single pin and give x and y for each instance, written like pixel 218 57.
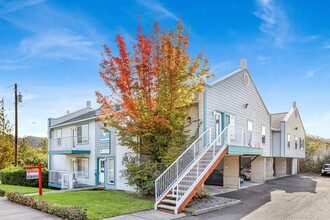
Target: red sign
pixel 32 174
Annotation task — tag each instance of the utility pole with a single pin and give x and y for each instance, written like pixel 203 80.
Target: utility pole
pixel 18 98
pixel 16 126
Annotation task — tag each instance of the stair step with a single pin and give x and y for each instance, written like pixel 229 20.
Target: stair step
pixel 168 207
pixel 171 196
pixel 169 201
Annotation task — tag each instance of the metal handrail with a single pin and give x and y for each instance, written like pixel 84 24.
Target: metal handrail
pixel 175 165
pixel 196 163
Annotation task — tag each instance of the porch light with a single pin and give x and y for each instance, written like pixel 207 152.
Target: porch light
pixel 246 105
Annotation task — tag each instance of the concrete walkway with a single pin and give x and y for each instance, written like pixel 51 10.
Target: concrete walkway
pixel 148 215
pixel 12 211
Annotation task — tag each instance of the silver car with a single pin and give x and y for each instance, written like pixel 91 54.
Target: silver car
pixel 325 170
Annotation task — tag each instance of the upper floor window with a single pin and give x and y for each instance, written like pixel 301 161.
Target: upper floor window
pixel 302 144
pixel 82 134
pixel 296 142
pixel 289 141
pixel 263 134
pixel 250 125
pixel 58 136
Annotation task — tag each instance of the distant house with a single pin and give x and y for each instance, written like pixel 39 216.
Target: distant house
pixel 84 152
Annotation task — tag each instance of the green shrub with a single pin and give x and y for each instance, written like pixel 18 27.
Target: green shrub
pixel 65 212
pixel 17 176
pixel 202 195
pixel 2 192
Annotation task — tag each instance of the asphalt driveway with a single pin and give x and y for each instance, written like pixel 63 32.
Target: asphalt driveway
pixel 293 197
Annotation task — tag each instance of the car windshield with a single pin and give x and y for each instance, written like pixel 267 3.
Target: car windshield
pixel 326 166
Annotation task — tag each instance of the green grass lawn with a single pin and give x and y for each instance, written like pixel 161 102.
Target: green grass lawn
pixel 21 189
pixel 99 203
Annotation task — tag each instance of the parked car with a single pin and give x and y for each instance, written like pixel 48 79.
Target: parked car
pixel 216 178
pixel 325 170
pixel 246 174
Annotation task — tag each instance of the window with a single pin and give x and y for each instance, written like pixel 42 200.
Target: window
pixel 82 167
pixel 302 144
pixel 288 140
pixel 250 125
pixel 111 171
pixel 263 134
pixel 246 79
pixel 82 134
pixel 58 135
pixel 231 120
pixel 296 142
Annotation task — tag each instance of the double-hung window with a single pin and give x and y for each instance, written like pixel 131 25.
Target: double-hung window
pixel 111 171
pixel 82 134
pixel 263 134
pixel 82 167
pixel 58 134
pixel 296 142
pixel 288 141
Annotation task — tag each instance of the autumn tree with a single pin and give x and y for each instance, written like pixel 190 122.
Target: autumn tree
pixel 151 82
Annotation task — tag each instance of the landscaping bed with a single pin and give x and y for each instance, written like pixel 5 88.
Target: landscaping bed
pixel 99 204
pixel 199 207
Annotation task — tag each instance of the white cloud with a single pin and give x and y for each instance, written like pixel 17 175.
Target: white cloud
pixel 309 38
pixel 58 44
pixel 274 21
pixel 16 5
pixel 263 59
pixel 309 74
pixel 158 8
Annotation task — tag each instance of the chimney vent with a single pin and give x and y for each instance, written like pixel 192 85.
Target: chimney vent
pixel 294 105
pixel 88 104
pixel 243 63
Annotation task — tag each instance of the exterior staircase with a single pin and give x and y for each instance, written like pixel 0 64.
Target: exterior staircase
pixel 176 186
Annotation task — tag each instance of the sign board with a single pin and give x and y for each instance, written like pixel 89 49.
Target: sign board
pixel 104 151
pixel 105 142
pixel 32 174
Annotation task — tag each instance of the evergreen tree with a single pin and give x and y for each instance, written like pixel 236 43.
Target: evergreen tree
pixel 5 126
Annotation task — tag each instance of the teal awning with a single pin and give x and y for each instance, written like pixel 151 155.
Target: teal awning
pixel 62 152
pixel 241 150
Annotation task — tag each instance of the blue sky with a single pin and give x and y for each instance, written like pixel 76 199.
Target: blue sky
pixel 52 49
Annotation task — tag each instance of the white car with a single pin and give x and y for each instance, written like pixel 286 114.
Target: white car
pixel 325 170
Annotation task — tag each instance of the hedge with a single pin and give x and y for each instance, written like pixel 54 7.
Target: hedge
pixel 17 176
pixel 65 212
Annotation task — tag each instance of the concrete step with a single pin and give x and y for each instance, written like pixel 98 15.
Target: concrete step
pixel 169 201
pixel 167 207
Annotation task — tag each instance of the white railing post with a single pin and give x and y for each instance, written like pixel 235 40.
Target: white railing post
pixel 194 151
pixel 210 136
pixel 177 170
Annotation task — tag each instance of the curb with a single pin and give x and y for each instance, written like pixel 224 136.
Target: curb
pixel 215 208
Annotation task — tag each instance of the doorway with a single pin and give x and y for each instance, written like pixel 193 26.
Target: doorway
pixel 218 126
pixel 101 171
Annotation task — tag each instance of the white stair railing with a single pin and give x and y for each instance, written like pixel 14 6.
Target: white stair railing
pixel 193 175
pixel 164 183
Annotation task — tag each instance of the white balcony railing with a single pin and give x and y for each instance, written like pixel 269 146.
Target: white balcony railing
pixel 69 180
pixel 237 136
pixel 69 143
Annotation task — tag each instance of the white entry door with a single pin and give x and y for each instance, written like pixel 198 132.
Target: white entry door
pixel 101 171
pixel 218 125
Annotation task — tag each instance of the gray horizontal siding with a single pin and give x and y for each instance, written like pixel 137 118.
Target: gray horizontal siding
pixel 230 96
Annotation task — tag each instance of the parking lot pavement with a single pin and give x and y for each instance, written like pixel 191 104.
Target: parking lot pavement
pixel 293 197
pixel 13 211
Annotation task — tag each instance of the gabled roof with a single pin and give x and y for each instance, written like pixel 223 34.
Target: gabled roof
pixel 91 114
pixel 276 120
pixel 214 83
